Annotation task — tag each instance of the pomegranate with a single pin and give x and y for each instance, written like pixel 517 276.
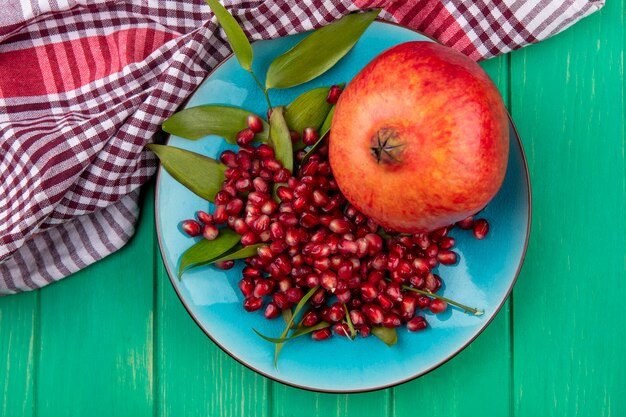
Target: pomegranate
pixel 419 138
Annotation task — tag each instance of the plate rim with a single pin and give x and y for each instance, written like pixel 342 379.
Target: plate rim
pixel 347 391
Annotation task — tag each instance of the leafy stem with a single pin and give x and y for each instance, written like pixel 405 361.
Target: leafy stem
pixel 467 309
pixel 262 87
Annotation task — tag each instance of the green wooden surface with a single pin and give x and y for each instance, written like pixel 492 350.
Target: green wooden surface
pixel 114 340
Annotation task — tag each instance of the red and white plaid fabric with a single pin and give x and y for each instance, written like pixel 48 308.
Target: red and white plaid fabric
pixel 85 85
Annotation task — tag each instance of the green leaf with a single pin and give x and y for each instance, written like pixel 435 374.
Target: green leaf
pixel 225 121
pixel 349 321
pixel 323 132
pixel 301 304
pixel 386 334
pixel 280 139
pixel 200 174
pixel 301 331
pixel 318 52
pixel 238 252
pixel 236 37
pixel 206 251
pixel 309 109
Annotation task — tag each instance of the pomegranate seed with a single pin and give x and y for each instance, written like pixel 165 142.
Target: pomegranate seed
pixel 374 277
pixel 309 220
pixel 384 302
pixel 374 313
pixel 322 264
pixel 254 123
pixel 321 334
pixel 310 136
pixel 222 198
pixel 357 318
pixel 284 284
pixel 423 301
pixel 447 243
pixel 250 272
pixel 339 226
pixel 404 268
pixel 320 199
pixel 346 247
pixel 229 158
pixel 249 238
pixel 245 137
pixel 276 231
pixel 292 236
pixel 408 306
pixel 269 207
pixel 467 223
pixel 432 250
pixel 311 318
pixel 432 262
pixel 210 232
pixel 310 168
pixel 270 164
pixel 438 234
pixel 481 228
pixel 421 266
pixel 262 223
pixel 252 304
pixel 300 204
pixel 393 261
pixel 284 193
pixel 319 250
pixel 294 295
pixel 318 298
pixel 341 329
pixel 246 286
pixel 234 206
pixel 328 280
pixel 263 288
pixel 260 185
pixel 232 174
pixel 447 257
pixel 374 242
pixel 191 227
pixel 345 270
pixel 224 265
pixel 438 306
pixel 243 185
pixel 417 281
pixel 265 253
pixel 391 320
pixel 257 199
pixel 271 311
pixel 421 240
pixel 336 312
pixel 333 94
pixel 281 300
pixel 343 296
pixel 229 191
pixel 433 283
pixel 278 246
pixel 204 217
pixel 282 175
pixel 379 262
pixel 312 280
pixel 264 151
pixel 416 324
pixel 365 330
pixel 283 263
pixel 394 292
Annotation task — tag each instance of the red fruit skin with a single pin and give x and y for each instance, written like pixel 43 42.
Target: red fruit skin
pixel 451 123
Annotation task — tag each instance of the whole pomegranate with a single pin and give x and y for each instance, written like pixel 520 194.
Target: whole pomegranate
pixel 419 138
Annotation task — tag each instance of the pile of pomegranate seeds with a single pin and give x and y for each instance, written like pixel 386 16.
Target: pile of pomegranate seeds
pixel 316 238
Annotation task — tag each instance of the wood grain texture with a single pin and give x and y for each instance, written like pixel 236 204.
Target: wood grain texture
pixel 195 377
pixel 96 335
pixel 19 320
pixel 569 339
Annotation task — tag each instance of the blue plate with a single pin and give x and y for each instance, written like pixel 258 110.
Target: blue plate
pixel 483 278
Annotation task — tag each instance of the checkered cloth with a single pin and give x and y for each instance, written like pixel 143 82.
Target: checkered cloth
pixel 85 85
